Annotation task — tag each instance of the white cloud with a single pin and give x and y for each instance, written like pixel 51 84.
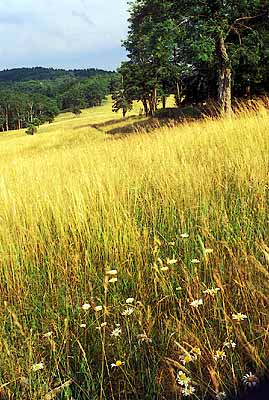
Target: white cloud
pixel 33 31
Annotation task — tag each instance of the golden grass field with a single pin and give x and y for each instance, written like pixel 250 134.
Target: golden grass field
pixel 89 220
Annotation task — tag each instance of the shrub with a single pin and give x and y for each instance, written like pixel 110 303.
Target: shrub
pixel 31 129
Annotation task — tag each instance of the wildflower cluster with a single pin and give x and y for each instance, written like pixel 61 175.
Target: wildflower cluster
pixel 185 382
pixel 210 291
pixel 183 379
pixel 187 389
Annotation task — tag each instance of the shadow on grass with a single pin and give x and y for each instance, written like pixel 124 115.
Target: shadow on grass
pixel 101 125
pixel 146 125
pixel 169 117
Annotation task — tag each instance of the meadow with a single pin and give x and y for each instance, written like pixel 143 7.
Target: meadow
pixel 137 266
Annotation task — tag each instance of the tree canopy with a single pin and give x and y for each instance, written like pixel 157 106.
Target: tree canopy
pixel 196 49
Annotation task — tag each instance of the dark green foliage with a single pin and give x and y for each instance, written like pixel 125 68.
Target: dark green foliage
pixel 195 50
pixel 76 110
pixel 37 122
pixel 40 74
pixel 31 129
pixel 72 98
pixel 120 97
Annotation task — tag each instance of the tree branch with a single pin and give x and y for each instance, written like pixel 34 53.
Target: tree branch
pixel 238 20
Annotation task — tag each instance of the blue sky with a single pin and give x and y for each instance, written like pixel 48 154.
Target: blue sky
pixel 62 33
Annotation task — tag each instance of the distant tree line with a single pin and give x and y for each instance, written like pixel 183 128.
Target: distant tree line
pixel 41 73
pixel 194 49
pixel 18 110
pixel 33 96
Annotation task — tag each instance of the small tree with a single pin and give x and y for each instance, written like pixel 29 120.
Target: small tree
pixel 76 110
pixel 121 101
pixel 36 122
pixel 31 130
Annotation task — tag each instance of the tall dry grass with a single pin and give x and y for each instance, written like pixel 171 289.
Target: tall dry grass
pixel 174 212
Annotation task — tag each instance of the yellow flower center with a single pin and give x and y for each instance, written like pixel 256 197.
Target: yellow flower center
pixel 187 359
pixel 183 377
pixel 118 363
pixel 196 350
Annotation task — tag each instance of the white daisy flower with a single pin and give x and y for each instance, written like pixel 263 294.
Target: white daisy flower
pixel 250 380
pixel 112 280
pixel 164 269
pixel 229 344
pixel 219 355
pixel 188 391
pixel 212 291
pixel 86 307
pixel 117 364
pixel 186 358
pixel 209 251
pixel 38 366
pixel 130 300
pixel 171 261
pixel 112 272
pixel 182 379
pixel 239 317
pixel 221 396
pixel 116 332
pixel 196 303
pixel 128 311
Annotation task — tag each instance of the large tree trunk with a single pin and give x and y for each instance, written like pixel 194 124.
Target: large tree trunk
pixel 155 99
pixel 178 94
pixel 7 120
pixel 153 102
pixel 31 106
pixel 145 104
pixel 225 78
pixel 19 121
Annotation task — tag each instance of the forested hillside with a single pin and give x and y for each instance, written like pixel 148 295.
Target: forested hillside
pixel 36 95
pixel 41 73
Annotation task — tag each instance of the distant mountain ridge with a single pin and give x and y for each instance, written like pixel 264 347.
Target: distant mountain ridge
pixel 45 74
